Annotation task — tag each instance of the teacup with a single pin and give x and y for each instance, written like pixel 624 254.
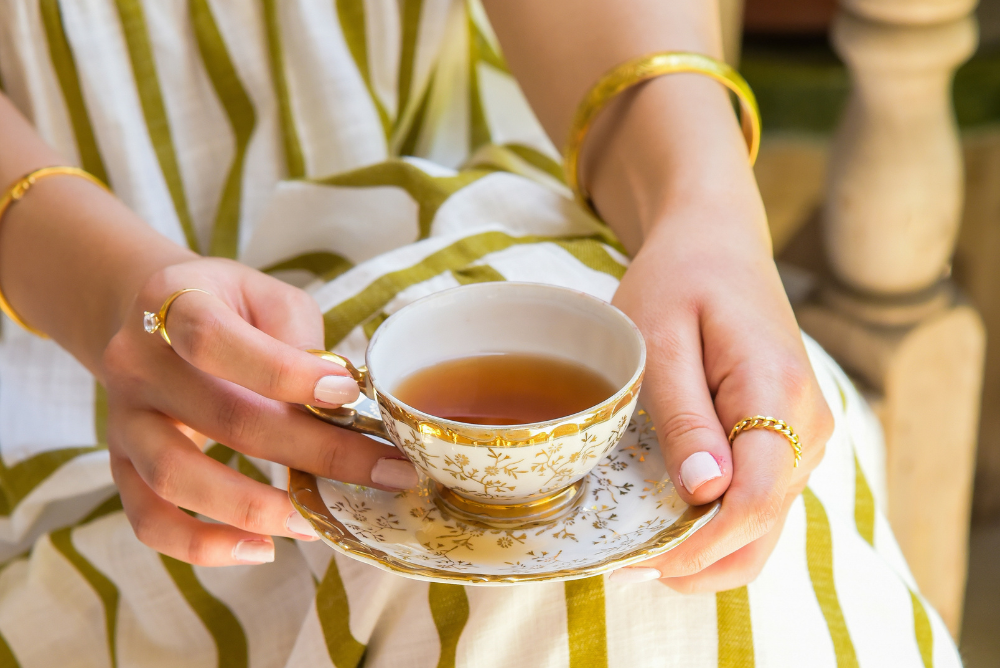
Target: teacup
pixel 499 475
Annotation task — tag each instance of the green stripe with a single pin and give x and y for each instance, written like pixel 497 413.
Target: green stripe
pixel 924 633
pixel 585 621
pixel 480 273
pixel 17 481
pixel 225 629
pixel 323 264
pixel 373 323
pixel 864 518
pixel 347 315
pixel 864 505
pixel 735 628
pixel 102 586
pixel 242 119
pixel 100 414
pixel 450 610
pixel 479 129
pixel 140 53
pixel 294 161
pixel 430 192
pixel 7 658
pixel 351 14
pixel 819 557
pixel 487 53
pixel 408 145
pixel 538 160
pixel 112 504
pixel 250 470
pixel 594 256
pixel 334 614
pixel 411 11
pixel 69 81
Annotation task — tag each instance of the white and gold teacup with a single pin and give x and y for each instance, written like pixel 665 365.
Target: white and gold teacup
pixel 499 475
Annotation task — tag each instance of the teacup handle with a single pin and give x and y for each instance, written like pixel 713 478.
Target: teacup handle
pixel 348 417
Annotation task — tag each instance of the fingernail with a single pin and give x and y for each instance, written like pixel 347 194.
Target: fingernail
pixel 300 525
pixel 629 575
pixel 698 469
pixel 254 552
pixel 337 390
pixel 395 473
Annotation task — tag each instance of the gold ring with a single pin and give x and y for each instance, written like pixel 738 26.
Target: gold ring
pixel 774 424
pixel 157 322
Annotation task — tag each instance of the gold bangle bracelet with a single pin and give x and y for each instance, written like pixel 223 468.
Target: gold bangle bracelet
pixel 642 69
pixel 15 193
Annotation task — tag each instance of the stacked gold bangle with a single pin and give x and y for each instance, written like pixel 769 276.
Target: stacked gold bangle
pixel 641 69
pixel 15 193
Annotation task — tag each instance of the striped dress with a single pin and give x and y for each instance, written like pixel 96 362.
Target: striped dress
pixel 372 152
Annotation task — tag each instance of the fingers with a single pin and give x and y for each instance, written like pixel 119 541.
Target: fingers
pixel 752 506
pixel 210 335
pixel 737 569
pixel 277 431
pixel 695 447
pixel 178 472
pixel 170 531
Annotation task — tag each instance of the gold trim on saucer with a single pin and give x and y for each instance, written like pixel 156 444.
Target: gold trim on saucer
pixel 303 490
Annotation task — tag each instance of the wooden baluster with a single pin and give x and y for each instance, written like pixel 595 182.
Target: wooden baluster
pixel 890 314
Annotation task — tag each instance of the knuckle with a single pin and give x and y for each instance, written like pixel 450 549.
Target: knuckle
pixel 328 457
pixel 280 377
pixel 144 529
pixel 118 362
pixel 762 514
pixel 682 426
pixel 240 418
pixel 696 562
pixel 164 475
pixel 203 337
pixel 198 550
pixel 252 514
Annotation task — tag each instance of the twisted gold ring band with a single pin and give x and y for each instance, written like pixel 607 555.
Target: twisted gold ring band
pixel 773 424
pixel 157 322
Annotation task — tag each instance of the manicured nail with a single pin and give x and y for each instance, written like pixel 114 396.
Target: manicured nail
pixel 336 390
pixel 629 575
pixel 254 551
pixel 300 525
pixel 698 469
pixel 395 473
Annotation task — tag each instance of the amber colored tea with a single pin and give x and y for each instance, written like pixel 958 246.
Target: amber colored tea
pixel 504 389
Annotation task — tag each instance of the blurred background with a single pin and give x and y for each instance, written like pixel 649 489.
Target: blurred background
pixel 880 177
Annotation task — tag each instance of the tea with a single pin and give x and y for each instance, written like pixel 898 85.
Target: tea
pixel 504 389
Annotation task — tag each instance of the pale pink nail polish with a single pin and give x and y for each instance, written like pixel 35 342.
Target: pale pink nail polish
pixel 698 469
pixel 336 390
pixel 300 525
pixel 395 473
pixel 630 575
pixel 254 551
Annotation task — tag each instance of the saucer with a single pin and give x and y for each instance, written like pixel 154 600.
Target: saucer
pixel 628 511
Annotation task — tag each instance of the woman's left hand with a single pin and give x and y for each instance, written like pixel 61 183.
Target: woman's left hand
pixel 723 345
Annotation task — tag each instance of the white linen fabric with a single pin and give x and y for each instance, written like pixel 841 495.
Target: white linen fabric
pixel 372 152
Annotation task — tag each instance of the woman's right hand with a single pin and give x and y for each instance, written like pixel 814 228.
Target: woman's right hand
pixel 236 367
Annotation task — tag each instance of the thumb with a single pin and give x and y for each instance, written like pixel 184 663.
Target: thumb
pixel 676 395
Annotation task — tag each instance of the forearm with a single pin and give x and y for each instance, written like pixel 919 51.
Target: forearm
pixel 666 143
pixel 71 254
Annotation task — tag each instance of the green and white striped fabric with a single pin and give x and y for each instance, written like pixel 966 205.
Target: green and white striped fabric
pixel 371 151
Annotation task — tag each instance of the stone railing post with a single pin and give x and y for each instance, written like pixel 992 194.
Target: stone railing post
pixel 890 314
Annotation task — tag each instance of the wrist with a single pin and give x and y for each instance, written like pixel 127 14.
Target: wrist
pixel 72 258
pixel 663 146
